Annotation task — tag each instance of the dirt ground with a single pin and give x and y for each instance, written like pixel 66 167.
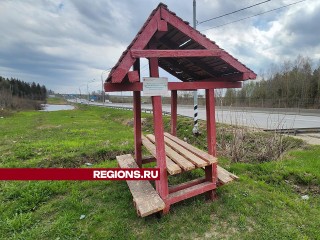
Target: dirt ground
pixel 311 138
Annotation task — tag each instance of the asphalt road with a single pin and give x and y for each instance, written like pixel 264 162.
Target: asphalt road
pixel 264 119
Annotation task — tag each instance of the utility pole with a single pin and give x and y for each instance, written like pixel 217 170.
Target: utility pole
pixel 102 84
pixel 195 129
pixel 102 88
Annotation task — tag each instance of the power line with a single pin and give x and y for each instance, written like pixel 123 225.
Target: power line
pixel 254 15
pixel 239 10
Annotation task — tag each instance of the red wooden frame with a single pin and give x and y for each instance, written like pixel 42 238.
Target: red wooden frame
pixel 123 78
pixel 175 53
pixel 174 103
pixel 137 86
pixel 156 26
pixel 162 184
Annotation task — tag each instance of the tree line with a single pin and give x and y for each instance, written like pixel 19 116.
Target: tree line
pixel 23 89
pixel 291 84
pixel 15 93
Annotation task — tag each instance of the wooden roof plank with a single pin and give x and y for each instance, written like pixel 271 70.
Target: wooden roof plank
pixel 160 20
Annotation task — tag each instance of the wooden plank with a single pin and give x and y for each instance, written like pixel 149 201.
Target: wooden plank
pixel 138 86
pixel 201 39
pixel 228 173
pixel 149 159
pixel 184 152
pixel 190 192
pixel 174 53
pixel 172 168
pixel 205 156
pixel 187 30
pixel 224 176
pixel 174 156
pixel 140 42
pixel 185 185
pixel 146 200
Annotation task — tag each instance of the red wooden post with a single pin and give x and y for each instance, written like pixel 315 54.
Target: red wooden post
pixel 174 112
pixel 162 184
pixel 137 127
pixel 137 119
pixel 211 171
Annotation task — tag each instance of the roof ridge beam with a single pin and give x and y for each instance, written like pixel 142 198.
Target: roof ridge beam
pixel 175 53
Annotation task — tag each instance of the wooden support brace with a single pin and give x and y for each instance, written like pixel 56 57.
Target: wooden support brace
pixel 211 170
pixel 137 116
pixel 137 127
pixel 162 184
pixel 133 76
pixel 174 112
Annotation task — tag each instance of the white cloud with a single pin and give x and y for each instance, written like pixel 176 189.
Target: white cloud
pixel 64 44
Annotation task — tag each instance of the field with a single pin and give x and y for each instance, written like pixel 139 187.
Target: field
pixel 266 202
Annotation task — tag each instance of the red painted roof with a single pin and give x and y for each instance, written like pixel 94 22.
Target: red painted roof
pixel 180 36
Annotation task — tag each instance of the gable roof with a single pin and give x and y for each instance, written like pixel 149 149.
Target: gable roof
pixel 166 31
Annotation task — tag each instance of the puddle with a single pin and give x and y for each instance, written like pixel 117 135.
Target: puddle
pixel 52 107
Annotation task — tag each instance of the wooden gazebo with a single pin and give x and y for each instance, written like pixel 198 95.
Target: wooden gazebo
pixel 170 43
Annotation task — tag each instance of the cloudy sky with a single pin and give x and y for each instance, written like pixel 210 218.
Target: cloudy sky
pixel 66 44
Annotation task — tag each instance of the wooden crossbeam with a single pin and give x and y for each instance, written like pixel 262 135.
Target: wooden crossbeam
pixel 190 192
pixel 138 86
pixel 175 53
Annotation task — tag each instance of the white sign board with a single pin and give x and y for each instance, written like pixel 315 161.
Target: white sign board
pixel 155 86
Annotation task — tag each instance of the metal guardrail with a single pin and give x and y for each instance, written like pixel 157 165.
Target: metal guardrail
pixel 294 131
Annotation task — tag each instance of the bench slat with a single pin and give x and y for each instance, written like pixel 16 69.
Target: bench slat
pixel 145 198
pixel 172 168
pixel 205 156
pixel 176 157
pixel 224 176
pixel 184 152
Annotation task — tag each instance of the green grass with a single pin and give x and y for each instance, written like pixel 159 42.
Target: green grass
pixel 264 204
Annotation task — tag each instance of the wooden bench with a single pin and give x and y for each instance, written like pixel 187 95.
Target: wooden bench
pixel 145 198
pixel 182 156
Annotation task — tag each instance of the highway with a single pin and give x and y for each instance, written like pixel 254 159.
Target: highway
pixel 263 118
